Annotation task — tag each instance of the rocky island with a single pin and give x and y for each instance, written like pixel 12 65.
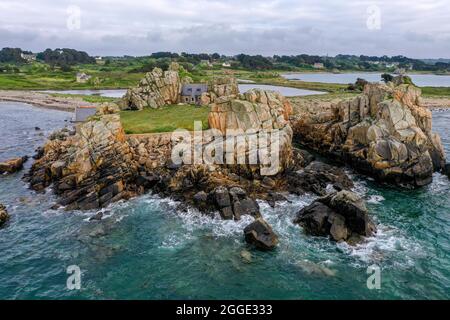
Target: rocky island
pixel 384 132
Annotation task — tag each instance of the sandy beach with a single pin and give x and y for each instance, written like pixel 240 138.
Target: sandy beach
pixel 43 100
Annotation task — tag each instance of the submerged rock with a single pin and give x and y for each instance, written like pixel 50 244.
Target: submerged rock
pixel 260 234
pixel 342 216
pixel 246 256
pixel 12 165
pixel 447 170
pixel 3 215
pixel 315 269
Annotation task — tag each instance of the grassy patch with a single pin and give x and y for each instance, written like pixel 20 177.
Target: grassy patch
pixel 165 119
pixel 87 98
pixel 436 91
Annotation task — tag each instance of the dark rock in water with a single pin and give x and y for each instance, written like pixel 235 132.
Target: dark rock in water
pixel 273 197
pixel 341 216
pixel 200 197
pixel 447 170
pixel 260 234
pixel 226 213
pixel 3 215
pixel 246 206
pixel 314 219
pixel 316 177
pixel 97 217
pixel 222 197
pixel 201 200
pixel 37 128
pixel 12 165
pixel 232 203
pixel 39 153
pixel 237 194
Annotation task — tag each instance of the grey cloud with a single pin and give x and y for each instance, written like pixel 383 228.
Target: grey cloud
pixel 266 27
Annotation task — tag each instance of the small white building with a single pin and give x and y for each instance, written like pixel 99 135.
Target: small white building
pixel 83 77
pixel 318 65
pixel 28 56
pixel 226 64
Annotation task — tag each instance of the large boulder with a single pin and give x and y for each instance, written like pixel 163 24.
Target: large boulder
pixel 89 169
pixel 12 165
pixel 256 109
pixel 257 114
pixel 317 177
pixel 341 216
pixel 3 215
pixel 232 203
pixel 156 89
pixel 218 87
pixel 385 132
pixel 260 234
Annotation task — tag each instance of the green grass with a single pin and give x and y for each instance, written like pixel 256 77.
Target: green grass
pixel 436 92
pixel 87 98
pixel 165 119
pixel 39 76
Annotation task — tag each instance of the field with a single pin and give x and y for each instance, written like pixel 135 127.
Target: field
pixel 165 119
pixel 125 74
pixel 39 76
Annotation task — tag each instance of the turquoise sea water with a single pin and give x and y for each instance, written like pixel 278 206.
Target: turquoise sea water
pixel 146 249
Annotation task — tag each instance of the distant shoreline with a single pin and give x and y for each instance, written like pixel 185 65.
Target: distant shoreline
pixel 43 100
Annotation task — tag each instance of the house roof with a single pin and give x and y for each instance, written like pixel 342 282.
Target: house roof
pixel 193 89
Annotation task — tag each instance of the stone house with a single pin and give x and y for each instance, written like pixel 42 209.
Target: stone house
pixel 191 93
pixel 83 77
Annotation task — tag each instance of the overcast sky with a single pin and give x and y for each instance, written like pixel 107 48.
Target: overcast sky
pixel 419 29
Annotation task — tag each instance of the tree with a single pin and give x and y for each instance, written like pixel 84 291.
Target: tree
pixel 386 77
pixel 12 55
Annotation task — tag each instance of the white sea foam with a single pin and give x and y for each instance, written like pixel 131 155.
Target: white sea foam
pixel 379 249
pixel 376 199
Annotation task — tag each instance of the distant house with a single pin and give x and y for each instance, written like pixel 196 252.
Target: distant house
pixel 83 77
pixel 84 112
pixel 99 60
pixel 318 65
pixel 191 93
pixel 28 56
pixel 226 65
pixel 206 63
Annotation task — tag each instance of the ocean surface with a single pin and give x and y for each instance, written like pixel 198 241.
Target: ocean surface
pixel 146 249
pixel 119 93
pixel 421 80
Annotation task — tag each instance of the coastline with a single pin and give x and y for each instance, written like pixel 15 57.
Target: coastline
pixel 44 100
